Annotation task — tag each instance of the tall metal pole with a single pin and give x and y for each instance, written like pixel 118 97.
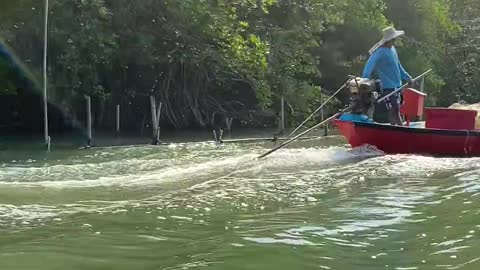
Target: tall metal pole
pixel 45 98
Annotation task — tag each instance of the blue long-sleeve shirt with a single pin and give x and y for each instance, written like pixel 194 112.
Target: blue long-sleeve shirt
pixel 384 62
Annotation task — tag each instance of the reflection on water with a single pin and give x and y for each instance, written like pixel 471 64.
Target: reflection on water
pixel 317 205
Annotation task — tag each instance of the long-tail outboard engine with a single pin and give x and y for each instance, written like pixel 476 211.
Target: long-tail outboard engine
pixel 364 94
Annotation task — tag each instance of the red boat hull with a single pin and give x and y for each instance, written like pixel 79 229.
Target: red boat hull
pixel 406 140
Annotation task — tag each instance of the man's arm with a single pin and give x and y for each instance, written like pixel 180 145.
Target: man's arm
pixel 404 73
pixel 370 66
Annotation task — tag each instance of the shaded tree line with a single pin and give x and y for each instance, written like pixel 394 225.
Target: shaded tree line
pixel 208 59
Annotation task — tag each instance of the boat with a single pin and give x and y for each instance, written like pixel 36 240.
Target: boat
pixel 446 132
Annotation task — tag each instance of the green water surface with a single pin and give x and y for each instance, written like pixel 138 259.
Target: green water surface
pixel 316 205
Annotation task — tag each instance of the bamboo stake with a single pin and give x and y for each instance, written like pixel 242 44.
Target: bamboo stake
pixel 159 113
pixel 322 116
pixel 89 120
pixel 153 107
pixel 117 126
pixel 229 125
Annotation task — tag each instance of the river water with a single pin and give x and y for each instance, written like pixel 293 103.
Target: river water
pixel 316 205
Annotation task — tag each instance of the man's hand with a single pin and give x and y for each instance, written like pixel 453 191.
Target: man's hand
pixel 411 83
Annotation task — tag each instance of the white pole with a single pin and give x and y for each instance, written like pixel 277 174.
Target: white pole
pixel 45 98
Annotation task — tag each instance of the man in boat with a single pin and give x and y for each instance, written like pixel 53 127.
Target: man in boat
pixel 385 64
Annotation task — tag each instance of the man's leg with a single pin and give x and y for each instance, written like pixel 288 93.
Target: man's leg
pixel 394 111
pixel 395 117
pixel 393 106
pixel 381 113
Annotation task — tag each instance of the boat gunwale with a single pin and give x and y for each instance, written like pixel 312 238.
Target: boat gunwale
pixel 429 131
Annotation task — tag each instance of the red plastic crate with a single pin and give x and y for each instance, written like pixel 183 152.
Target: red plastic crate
pixel 413 101
pixel 443 118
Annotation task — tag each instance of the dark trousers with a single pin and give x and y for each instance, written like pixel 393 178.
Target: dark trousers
pixel 389 110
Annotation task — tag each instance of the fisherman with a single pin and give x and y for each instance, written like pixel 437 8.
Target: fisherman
pixel 385 64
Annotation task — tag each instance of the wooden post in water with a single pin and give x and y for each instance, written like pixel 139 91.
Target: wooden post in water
pixel 215 136
pixel 117 126
pixel 282 120
pixel 159 113
pixel 89 121
pixel 229 125
pixel 322 115
pixel 153 109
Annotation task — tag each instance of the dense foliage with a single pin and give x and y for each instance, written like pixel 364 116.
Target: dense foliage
pixel 205 58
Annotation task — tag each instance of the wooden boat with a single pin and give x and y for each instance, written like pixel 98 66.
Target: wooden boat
pixel 447 132
pixel 408 140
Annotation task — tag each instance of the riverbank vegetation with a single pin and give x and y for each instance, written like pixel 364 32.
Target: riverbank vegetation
pixel 206 59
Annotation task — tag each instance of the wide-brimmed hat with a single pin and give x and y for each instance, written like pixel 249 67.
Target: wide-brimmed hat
pixel 389 33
